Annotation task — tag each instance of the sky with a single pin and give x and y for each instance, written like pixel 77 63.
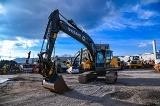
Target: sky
pixel 128 26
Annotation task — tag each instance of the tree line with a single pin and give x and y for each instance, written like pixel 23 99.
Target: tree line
pixel 7 62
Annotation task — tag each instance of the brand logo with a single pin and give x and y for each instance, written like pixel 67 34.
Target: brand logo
pixel 83 38
pixel 74 32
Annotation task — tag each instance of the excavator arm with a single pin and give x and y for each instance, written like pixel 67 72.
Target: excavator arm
pixel 27 59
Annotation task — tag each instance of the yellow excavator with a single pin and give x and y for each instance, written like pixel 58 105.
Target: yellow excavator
pixel 85 58
pixel 101 59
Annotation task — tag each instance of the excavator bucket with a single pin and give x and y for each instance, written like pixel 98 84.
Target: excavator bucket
pixel 59 86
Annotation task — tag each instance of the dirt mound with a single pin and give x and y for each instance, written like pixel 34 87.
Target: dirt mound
pixel 122 95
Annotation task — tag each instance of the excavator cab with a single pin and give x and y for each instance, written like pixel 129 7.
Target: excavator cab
pixel 103 58
pixel 106 64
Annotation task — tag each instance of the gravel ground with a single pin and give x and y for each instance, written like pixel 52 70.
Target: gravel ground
pixel 136 87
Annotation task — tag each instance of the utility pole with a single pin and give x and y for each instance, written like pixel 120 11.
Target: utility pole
pixel 9 56
pixel 54 52
pixel 33 59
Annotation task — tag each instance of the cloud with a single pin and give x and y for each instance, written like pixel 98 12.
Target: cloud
pixel 137 24
pixel 146 2
pixel 128 16
pixel 142 45
pixel 29 18
pixel 123 23
pixel 144 14
pixel 25 43
pixel 145 43
pixel 2 10
pixel 10 46
pixel 63 35
pixel 147 14
pixel 111 25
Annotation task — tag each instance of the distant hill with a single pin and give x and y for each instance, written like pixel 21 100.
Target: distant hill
pixel 31 60
pixel 23 60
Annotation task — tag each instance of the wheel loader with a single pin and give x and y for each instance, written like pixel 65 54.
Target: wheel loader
pixel 136 61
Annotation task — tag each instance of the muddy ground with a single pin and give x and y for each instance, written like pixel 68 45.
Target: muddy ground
pixel 136 87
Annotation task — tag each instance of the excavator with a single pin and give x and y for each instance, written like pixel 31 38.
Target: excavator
pixel 27 67
pixel 101 58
